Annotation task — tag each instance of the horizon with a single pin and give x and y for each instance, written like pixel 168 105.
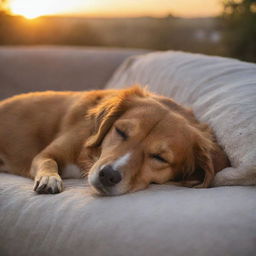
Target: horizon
pixel 115 9
pixel 110 17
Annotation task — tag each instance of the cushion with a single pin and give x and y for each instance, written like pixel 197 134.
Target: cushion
pixel 221 91
pixel 163 220
pixel 26 69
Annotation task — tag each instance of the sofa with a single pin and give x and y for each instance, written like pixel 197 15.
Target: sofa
pixel 163 219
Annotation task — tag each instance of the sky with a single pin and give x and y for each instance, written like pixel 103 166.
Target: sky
pixel 116 8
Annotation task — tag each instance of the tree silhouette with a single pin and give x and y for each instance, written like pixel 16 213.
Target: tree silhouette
pixel 240 28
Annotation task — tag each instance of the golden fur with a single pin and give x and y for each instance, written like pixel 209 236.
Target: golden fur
pixel 150 138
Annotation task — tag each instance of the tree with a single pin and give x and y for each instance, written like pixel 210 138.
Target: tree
pixel 240 28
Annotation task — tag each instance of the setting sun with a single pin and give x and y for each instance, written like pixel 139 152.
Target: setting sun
pixel 32 9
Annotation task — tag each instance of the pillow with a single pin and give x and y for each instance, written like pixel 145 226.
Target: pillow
pixel 221 92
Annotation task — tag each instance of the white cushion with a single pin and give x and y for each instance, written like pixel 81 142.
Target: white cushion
pixel 221 91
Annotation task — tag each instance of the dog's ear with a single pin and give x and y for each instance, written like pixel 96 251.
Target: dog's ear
pixel 203 163
pixel 109 110
pixel 103 116
pixel 197 170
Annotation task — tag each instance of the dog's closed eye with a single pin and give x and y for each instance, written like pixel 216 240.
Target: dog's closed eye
pixel 158 158
pixel 121 133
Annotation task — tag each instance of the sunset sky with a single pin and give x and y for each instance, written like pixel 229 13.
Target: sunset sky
pixel 116 8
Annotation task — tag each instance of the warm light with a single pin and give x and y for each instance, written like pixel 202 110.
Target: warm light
pixel 30 8
pixel 34 8
pixel 115 8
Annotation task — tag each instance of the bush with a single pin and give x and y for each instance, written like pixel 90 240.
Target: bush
pixel 240 28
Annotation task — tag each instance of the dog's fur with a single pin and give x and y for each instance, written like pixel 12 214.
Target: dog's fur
pixel 144 137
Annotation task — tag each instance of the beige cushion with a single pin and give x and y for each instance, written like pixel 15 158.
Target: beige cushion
pixel 221 91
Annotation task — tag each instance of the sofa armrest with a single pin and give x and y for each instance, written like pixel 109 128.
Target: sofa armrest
pixel 26 69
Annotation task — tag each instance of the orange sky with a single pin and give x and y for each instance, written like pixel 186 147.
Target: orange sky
pixel 116 8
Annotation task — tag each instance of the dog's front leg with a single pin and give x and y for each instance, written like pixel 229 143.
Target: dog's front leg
pixel 45 166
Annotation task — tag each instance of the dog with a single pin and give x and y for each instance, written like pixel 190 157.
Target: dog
pixel 122 139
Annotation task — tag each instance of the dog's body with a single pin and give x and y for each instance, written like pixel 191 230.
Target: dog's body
pixel 124 140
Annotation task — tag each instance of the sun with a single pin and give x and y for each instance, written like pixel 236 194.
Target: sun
pixel 31 9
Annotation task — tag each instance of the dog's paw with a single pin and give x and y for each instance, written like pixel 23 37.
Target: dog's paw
pixel 51 184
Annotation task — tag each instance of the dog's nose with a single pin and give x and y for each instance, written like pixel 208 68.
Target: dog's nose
pixel 109 177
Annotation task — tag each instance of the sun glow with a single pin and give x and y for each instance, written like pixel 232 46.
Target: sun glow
pixel 114 8
pixel 33 8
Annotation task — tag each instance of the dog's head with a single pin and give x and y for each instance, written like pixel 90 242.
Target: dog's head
pixel 143 138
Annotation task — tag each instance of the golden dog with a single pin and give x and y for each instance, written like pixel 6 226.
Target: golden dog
pixel 123 139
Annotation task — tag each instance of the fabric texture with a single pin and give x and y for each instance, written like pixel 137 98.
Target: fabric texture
pixel 221 92
pixel 41 68
pixel 162 220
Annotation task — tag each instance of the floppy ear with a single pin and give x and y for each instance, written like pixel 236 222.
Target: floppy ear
pixel 103 117
pixel 204 170
pixel 198 170
pixel 107 112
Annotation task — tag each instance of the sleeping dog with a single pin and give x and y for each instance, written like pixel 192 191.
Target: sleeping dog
pixel 122 139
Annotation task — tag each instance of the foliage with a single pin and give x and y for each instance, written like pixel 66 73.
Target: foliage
pixel 240 28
